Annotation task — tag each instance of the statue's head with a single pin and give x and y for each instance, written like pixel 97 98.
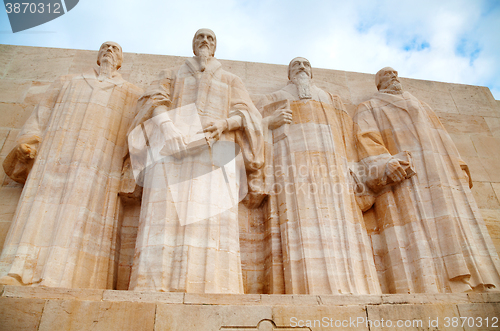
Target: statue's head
pixel 387 79
pixel 111 52
pixel 204 38
pixel 297 66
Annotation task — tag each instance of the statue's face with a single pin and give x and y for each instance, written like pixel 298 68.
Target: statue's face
pixel 388 78
pixel 299 65
pixel 204 38
pixel 112 51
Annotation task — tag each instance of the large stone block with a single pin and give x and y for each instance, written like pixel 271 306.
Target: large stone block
pixel 361 86
pixel 474 100
pixel 435 94
pixel 411 317
pixel 37 63
pixel 321 318
pixel 277 75
pixel 13 115
pixel 478 316
pixel 20 314
pixel 7 53
pixel 464 144
pixel 209 317
pixel 460 123
pixel 13 90
pixel 94 315
pixel 52 293
pixel 485 196
pixel 138 296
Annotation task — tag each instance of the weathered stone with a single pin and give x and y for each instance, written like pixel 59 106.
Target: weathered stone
pixel 13 115
pixel 411 317
pixel 95 315
pixel 348 300
pixel 72 147
pixel 221 299
pixel 20 314
pixel 479 316
pixel 52 293
pixel 136 296
pixel 321 317
pixel 432 234
pixel 13 91
pixel 201 317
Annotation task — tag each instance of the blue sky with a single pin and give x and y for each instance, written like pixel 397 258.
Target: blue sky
pixel 454 41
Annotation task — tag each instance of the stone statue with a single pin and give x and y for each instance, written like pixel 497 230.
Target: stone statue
pixel 326 249
pixel 69 154
pixel 188 236
pixel 432 238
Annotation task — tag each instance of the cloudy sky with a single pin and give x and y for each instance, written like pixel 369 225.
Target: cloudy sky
pixel 454 41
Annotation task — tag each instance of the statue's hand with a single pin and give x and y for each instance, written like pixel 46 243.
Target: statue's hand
pixel 280 117
pixel 175 143
pixel 216 128
pixel 466 171
pixel 160 99
pixel 395 171
pixel 26 152
pixel 18 163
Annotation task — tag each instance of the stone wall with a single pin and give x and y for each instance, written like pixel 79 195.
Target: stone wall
pixel 470 114
pixel 28 308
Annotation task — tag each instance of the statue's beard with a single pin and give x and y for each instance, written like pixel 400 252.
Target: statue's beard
pixel 303 83
pixel 395 88
pixel 204 54
pixel 107 67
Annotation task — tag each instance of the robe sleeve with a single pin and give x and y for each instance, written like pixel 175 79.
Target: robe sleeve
pixel 346 125
pixel 251 141
pixel 372 151
pixel 250 137
pixel 37 122
pixel 18 164
pixel 157 94
pixel 449 145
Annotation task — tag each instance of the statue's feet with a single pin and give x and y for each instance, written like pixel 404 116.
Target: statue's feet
pixel 461 285
pixel 8 280
pixel 485 288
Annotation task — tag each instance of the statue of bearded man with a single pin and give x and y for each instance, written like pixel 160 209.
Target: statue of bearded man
pixel 325 246
pixel 188 236
pixel 69 155
pixel 431 237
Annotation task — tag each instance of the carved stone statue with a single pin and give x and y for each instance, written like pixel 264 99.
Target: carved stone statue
pixel 188 238
pixel 432 236
pixel 69 153
pixel 326 249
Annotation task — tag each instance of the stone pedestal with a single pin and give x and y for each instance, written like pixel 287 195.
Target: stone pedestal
pixel 31 308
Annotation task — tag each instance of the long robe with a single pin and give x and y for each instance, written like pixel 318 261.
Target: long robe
pixel 203 256
pixel 432 236
pixel 63 233
pixel 326 249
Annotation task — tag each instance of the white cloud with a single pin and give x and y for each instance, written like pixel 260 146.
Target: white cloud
pixel 451 41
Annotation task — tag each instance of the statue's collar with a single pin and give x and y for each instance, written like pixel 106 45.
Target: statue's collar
pixel 393 92
pixel 93 74
pixel 194 64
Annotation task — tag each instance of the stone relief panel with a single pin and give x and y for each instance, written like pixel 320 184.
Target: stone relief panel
pixel 324 244
pixel 430 236
pixel 195 133
pixel 69 156
pixel 306 224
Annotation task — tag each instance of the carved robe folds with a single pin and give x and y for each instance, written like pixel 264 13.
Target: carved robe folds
pixel 203 256
pixel 64 230
pixel 326 249
pixel 431 237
